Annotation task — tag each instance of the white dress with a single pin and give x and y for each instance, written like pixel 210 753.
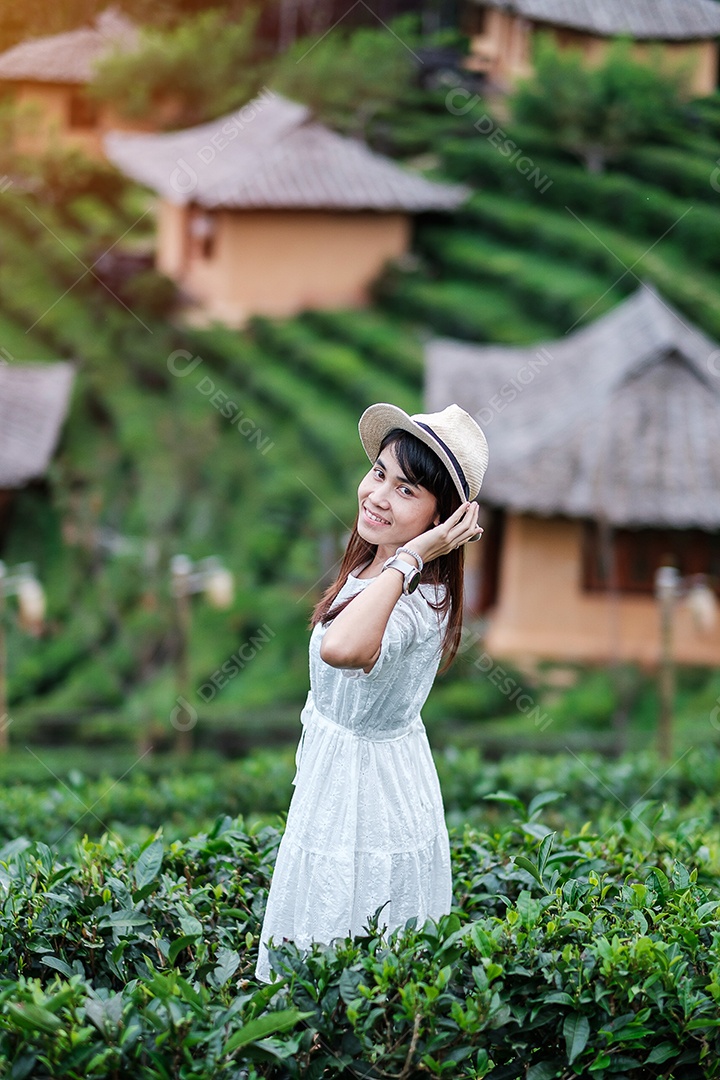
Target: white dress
pixel 366 823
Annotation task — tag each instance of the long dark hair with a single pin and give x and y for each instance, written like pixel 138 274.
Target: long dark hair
pixel 420 465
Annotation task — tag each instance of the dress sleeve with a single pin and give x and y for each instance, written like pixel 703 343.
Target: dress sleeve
pixel 409 623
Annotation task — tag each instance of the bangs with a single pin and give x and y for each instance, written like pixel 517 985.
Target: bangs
pixel 417 461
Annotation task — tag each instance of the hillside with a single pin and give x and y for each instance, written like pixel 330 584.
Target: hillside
pixel 146 453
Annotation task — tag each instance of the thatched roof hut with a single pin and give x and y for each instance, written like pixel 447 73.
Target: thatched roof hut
pixel 604 464
pixel 267 211
pixel 685 32
pixel 69 57
pixel 34 401
pixel 46 79
pixel 657 20
pixel 619 420
pixel 272 154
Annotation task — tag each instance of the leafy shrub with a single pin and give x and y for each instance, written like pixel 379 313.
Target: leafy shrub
pixel 640 209
pixel 596 111
pixel 675 170
pixel 194 71
pixel 151 293
pixel 545 288
pixel 588 951
pixel 46 794
pixel 459 308
pixel 62 174
pixel 347 79
pixel 374 337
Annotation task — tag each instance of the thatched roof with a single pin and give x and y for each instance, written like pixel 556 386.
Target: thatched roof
pixel 620 419
pixel 69 57
pixel 34 400
pixel 271 154
pixel 660 20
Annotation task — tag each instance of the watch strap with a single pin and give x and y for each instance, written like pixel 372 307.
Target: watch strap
pixel 409 572
pixel 414 554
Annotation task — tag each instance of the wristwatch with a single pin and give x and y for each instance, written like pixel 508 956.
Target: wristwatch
pixel 411 574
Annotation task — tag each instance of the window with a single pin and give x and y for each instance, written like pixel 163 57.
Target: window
pixel 474 20
pixel 483 573
pixel 633 555
pixel 202 231
pixel 82 112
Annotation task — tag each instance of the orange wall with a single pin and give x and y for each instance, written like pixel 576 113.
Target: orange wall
pixel 543 614
pixel 280 262
pixel 504 50
pixel 43 111
pixel 170 254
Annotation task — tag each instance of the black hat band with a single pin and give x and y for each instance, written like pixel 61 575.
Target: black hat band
pixel 448 451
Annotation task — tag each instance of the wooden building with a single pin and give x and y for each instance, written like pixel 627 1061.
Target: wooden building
pixel 34 401
pixel 267 211
pixel 604 464
pixel 501 33
pixel 46 78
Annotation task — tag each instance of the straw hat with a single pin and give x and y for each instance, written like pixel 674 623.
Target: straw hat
pixel 452 434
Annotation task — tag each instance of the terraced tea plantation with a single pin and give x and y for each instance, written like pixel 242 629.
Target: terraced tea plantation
pixel 147 453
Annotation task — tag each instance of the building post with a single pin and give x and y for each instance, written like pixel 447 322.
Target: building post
pixel 212 578
pixel 181 568
pixel 667 580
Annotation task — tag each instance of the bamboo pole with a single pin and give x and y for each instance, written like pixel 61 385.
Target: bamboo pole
pixel 666 583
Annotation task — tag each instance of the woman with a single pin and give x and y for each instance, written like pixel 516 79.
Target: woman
pixel 366 827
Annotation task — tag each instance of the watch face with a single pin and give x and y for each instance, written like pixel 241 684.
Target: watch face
pixel 414 581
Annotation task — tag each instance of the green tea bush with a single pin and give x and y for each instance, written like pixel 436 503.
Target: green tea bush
pixel 556 232
pixel 151 293
pixel 565 953
pixel 677 171
pixel 375 338
pixel 334 367
pixel 546 288
pixel 58 795
pixel 132 961
pixel 461 309
pixel 641 209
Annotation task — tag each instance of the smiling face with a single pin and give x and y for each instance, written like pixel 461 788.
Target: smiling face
pixel 404 509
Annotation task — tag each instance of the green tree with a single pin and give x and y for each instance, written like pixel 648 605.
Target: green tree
pixel 598 112
pixel 195 71
pixel 350 78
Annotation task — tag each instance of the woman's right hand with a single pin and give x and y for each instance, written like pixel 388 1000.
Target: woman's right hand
pixel 460 527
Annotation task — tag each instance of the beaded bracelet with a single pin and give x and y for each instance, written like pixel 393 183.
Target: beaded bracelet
pixel 414 555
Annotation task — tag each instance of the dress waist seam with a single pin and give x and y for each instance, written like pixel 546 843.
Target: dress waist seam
pixel 313 714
